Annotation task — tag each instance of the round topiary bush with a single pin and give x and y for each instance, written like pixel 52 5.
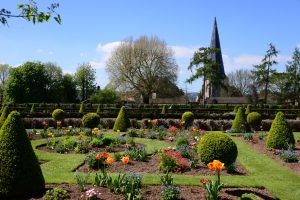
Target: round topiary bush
pixel 91 120
pixel 4 115
pixel 217 146
pixel 254 119
pixel 280 135
pixel 187 118
pixel 58 114
pixel 122 122
pixel 20 173
pixel 239 123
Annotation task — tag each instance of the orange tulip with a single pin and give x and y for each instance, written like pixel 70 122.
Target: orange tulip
pixel 109 160
pixel 216 165
pixel 98 156
pixel 125 160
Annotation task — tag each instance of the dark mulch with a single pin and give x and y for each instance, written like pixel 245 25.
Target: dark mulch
pixel 150 192
pixel 260 145
pixel 152 166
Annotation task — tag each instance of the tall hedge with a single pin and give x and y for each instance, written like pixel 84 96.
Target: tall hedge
pixel 20 173
pixel 4 115
pixel 280 134
pixel 239 121
pixel 122 122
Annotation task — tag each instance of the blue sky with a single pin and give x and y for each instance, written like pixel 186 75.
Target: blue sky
pixel 91 29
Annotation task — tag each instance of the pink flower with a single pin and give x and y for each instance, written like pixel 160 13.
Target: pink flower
pixel 204 181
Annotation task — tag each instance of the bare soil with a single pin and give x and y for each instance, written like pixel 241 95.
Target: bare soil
pixel 151 192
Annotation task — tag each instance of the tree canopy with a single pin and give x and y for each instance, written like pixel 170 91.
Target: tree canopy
pixel 140 64
pixel 85 78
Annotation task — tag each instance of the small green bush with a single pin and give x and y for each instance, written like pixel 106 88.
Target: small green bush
pixel 20 173
pixel 91 120
pixel 4 115
pixel 249 196
pixel 248 109
pixel 58 114
pixel 182 141
pixel 164 110
pixel 56 194
pixel 32 110
pixel 98 111
pixel 96 142
pixel 187 118
pixel 236 108
pixel 280 135
pixel 254 119
pixel 217 146
pixel 239 123
pixel 122 122
pixel 108 140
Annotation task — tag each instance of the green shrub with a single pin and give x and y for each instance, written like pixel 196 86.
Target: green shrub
pixel 96 142
pixel 122 122
pixel 254 119
pixel 108 140
pixel 170 192
pixel 58 114
pixel 164 110
pixel 32 110
pixel 91 120
pixel 137 153
pixel 280 135
pixel 69 143
pixel 239 123
pixel 82 108
pixel 98 111
pixel 187 118
pixel 20 173
pixel 56 194
pixel 182 141
pixel 132 133
pixel 236 108
pixel 217 146
pixel 248 109
pixel 4 115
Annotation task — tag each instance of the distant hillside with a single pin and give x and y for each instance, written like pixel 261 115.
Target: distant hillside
pixel 192 96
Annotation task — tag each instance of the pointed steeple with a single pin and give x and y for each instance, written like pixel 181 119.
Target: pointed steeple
pixel 215 43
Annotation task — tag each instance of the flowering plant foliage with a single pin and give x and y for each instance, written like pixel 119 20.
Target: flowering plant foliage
pixel 171 160
pixel 213 187
pixel 173 129
pixel 92 194
pixel 97 160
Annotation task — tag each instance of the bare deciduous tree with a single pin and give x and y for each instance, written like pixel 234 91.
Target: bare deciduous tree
pixel 241 79
pixel 140 64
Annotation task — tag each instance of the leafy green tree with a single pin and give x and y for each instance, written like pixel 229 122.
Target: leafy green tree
pixel 168 89
pixel 105 96
pixel 27 83
pixel 85 78
pixel 4 72
pixel 206 67
pixel 69 89
pixel 263 72
pixel 138 65
pixel 54 85
pixel 293 75
pixel 30 12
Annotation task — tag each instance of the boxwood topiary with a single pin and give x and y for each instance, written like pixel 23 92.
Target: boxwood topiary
pixel 58 114
pixel 254 119
pixel 280 134
pixel 20 173
pixel 32 110
pixel 98 111
pixel 82 108
pixel 122 122
pixel 187 118
pixel 239 123
pixel 4 115
pixel 91 120
pixel 164 110
pixel 248 109
pixel 217 146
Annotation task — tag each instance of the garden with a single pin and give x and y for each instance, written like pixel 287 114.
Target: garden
pixel 149 158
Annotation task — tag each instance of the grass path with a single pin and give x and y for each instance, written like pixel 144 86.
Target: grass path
pixel 264 172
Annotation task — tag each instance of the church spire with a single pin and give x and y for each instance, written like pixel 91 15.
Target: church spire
pixel 215 43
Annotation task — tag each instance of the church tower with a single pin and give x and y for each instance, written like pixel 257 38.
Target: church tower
pixel 214 90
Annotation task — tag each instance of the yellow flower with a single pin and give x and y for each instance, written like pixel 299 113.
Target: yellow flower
pixel 50 134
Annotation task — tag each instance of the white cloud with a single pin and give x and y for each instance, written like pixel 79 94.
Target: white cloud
pixel 107 48
pixel 183 52
pixel 97 64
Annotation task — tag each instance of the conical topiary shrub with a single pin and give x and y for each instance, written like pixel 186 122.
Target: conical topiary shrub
pixel 4 115
pixel 236 108
pixel 20 173
pixel 32 110
pixel 248 110
pixel 2 107
pixel 280 135
pixel 164 110
pixel 122 122
pixel 82 108
pixel 98 111
pixel 239 123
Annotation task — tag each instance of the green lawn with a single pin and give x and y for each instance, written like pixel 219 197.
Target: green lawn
pixel 263 171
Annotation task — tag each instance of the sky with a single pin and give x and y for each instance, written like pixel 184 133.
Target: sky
pixel 92 29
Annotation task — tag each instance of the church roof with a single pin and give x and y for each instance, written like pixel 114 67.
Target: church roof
pixel 215 43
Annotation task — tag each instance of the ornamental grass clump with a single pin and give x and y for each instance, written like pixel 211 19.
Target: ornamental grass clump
pixel 20 172
pixel 280 135
pixel 122 122
pixel 213 187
